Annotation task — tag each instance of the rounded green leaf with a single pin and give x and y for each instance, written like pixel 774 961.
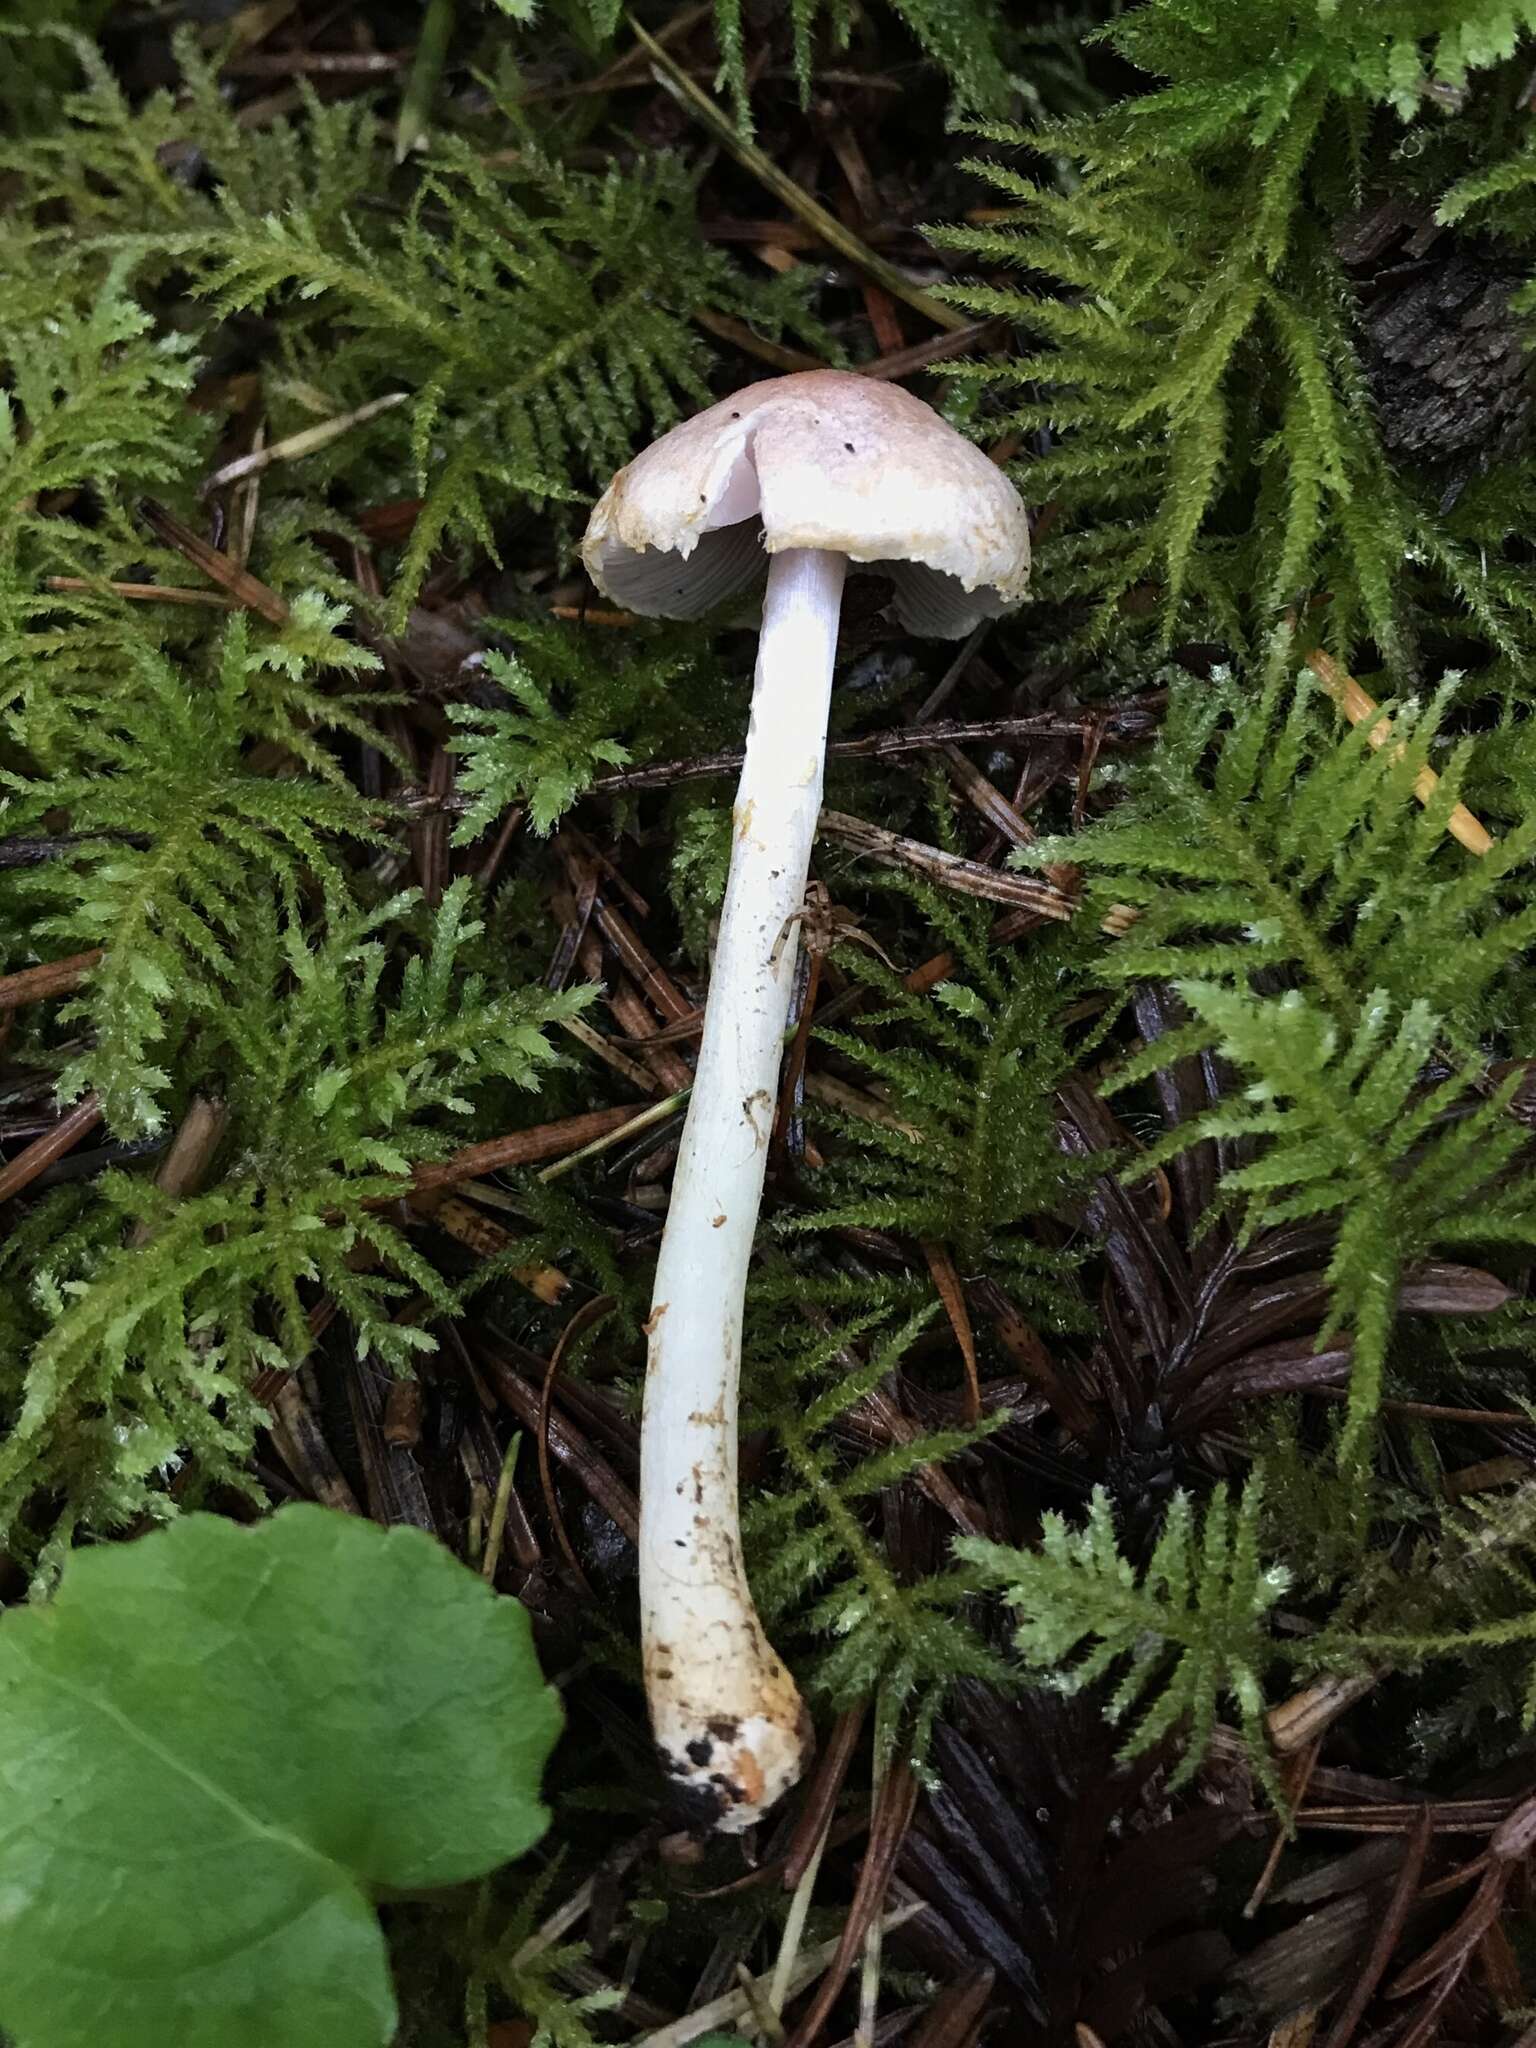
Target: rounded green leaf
pixel 216 1743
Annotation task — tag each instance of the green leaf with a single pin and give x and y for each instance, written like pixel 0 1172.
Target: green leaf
pixel 220 1743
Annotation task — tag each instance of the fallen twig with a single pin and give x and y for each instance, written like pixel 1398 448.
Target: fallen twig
pixel 1126 723
pixel 948 870
pixel 52 978
pixel 21 1171
pixel 247 590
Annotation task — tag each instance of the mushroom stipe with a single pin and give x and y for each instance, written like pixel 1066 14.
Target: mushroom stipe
pixel 807 477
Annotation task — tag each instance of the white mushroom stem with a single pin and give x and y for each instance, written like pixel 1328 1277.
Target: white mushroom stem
pixel 724 1711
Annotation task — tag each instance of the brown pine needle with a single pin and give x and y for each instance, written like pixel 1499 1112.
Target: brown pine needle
pixel 1357 706
pixel 52 978
pixel 20 1172
pixel 144 593
pixel 303 443
pixel 947 1280
pixel 826 225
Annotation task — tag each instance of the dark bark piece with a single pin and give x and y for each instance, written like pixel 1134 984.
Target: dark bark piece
pixel 1448 362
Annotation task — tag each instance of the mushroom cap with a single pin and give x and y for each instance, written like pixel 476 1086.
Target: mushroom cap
pixel 820 459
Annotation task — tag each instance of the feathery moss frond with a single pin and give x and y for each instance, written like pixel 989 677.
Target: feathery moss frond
pixel 93 399
pixel 124 1360
pixel 1195 402
pixel 1331 942
pixel 573 707
pixel 869 1629
pixel 539 317
pixel 168 827
pixel 964 1149
pixel 1172 1640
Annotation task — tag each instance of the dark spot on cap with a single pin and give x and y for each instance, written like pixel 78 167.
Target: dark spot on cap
pixel 735 415
pixel 723 1728
pixel 679 1543
pixel 700 1750
pixel 849 446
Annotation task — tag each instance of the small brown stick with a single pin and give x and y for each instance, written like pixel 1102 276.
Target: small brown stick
pixel 945 1278
pixel 1296 1776
pixel 487 1240
pixel 521 1148
pixel 821 1793
pixel 948 870
pixel 246 505
pixel 1129 723
pixel 144 593
pixel 588 615
pixel 1025 1346
pixel 1432 1411
pixel 573 909
pixel 792 1083
pixel 1453 1951
pixel 1357 706
pixel 832 1093
pixel 952 2019
pixel 1404 1892
pixel 660 990
pixel 21 1171
pixel 631 66
pixel 429 835
pixel 306 442
pixel 567 1445
pixel 637 1023
pixel 1297 1723
pixel 187 1158
pixel 304 1450
pixel 246 590
pixel 774 353
pixel 983 793
pixel 657 1113
pixel 885 1422
pixel 488 869
pixel 594 1041
pixel 53 978
pixel 681 1033
pixel 906 362
pixel 888 1827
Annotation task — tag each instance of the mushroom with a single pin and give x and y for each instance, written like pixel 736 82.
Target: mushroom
pixel 813 473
